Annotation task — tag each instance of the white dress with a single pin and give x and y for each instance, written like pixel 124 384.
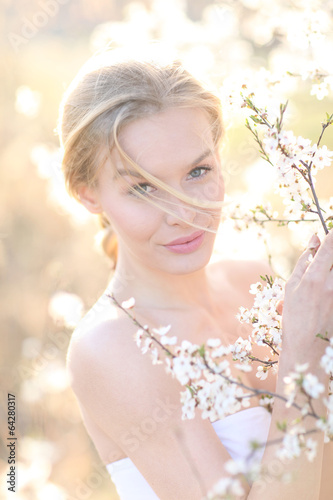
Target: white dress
pixel 235 432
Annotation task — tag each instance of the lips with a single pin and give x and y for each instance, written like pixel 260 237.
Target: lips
pixel 187 244
pixel 185 239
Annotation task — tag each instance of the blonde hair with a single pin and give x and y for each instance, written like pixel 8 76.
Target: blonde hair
pixel 112 90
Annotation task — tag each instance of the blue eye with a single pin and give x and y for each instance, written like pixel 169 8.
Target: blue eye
pixel 198 172
pixel 142 188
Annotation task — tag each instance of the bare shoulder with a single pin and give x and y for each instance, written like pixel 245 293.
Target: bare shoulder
pixel 110 375
pixel 243 269
pixel 100 346
pixel 240 274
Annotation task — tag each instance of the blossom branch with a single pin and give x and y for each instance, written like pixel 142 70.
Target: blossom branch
pixel 201 352
pixel 256 392
pixel 292 151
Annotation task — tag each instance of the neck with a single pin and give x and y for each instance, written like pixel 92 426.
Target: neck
pixel 155 289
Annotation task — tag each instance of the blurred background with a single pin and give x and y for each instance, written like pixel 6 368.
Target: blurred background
pixel 50 266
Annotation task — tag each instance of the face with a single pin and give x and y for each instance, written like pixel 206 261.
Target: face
pixel 176 147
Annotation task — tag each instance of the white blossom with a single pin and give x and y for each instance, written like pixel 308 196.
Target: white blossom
pixel 155 357
pixel 128 304
pixel 138 336
pixel 325 423
pixel 291 446
pixel 213 342
pixel 312 386
pixel 262 372
pixel 322 158
pixel 221 351
pixel 249 468
pixel 245 216
pixel 265 321
pixel 244 315
pixel 243 368
pixel 293 381
pixel 227 487
pixel 311 449
pixel 268 402
pixel 320 90
pixel 326 361
pixel 241 349
pixel 185 368
pixel 147 344
pixel 188 404
pixel 291 155
pixel 162 330
pixel 168 340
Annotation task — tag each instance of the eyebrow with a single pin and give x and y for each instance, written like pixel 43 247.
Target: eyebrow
pixel 205 154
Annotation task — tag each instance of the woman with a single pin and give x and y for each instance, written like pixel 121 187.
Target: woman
pixel 141 149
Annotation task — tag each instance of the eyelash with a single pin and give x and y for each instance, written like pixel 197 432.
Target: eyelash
pixel 137 187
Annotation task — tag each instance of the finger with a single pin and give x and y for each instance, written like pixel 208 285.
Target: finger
pixel 304 262
pixel 323 260
pixel 330 283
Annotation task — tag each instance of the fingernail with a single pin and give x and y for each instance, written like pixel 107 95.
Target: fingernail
pixel 314 242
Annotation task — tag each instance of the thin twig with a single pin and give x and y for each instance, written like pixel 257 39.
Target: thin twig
pixel 255 391
pixel 139 325
pixel 228 379
pixel 269 345
pixel 276 441
pixel 314 194
pixel 267 363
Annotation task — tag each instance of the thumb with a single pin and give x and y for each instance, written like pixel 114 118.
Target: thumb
pixel 303 262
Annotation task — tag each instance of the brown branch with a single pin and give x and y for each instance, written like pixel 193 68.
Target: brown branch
pixel 228 379
pixel 137 323
pixel 269 345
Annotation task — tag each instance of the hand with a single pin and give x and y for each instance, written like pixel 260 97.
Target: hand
pixel 308 301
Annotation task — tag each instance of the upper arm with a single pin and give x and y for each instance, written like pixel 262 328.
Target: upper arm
pixel 137 404
pixel 326 474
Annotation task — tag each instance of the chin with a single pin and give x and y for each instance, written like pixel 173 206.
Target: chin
pixel 186 264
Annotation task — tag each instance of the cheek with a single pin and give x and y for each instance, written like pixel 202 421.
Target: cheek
pixel 135 221
pixel 215 188
pixel 211 190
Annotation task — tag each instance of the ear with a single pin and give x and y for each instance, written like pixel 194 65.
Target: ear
pixel 89 199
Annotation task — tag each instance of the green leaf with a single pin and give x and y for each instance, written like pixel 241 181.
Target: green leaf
pixel 329 119
pixel 282 426
pixel 190 389
pixel 264 396
pixel 256 119
pixel 323 337
pixel 255 445
pixel 201 350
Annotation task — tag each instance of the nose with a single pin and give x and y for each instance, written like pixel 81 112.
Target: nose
pixel 182 215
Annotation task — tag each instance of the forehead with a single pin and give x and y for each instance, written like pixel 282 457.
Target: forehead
pixel 171 138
